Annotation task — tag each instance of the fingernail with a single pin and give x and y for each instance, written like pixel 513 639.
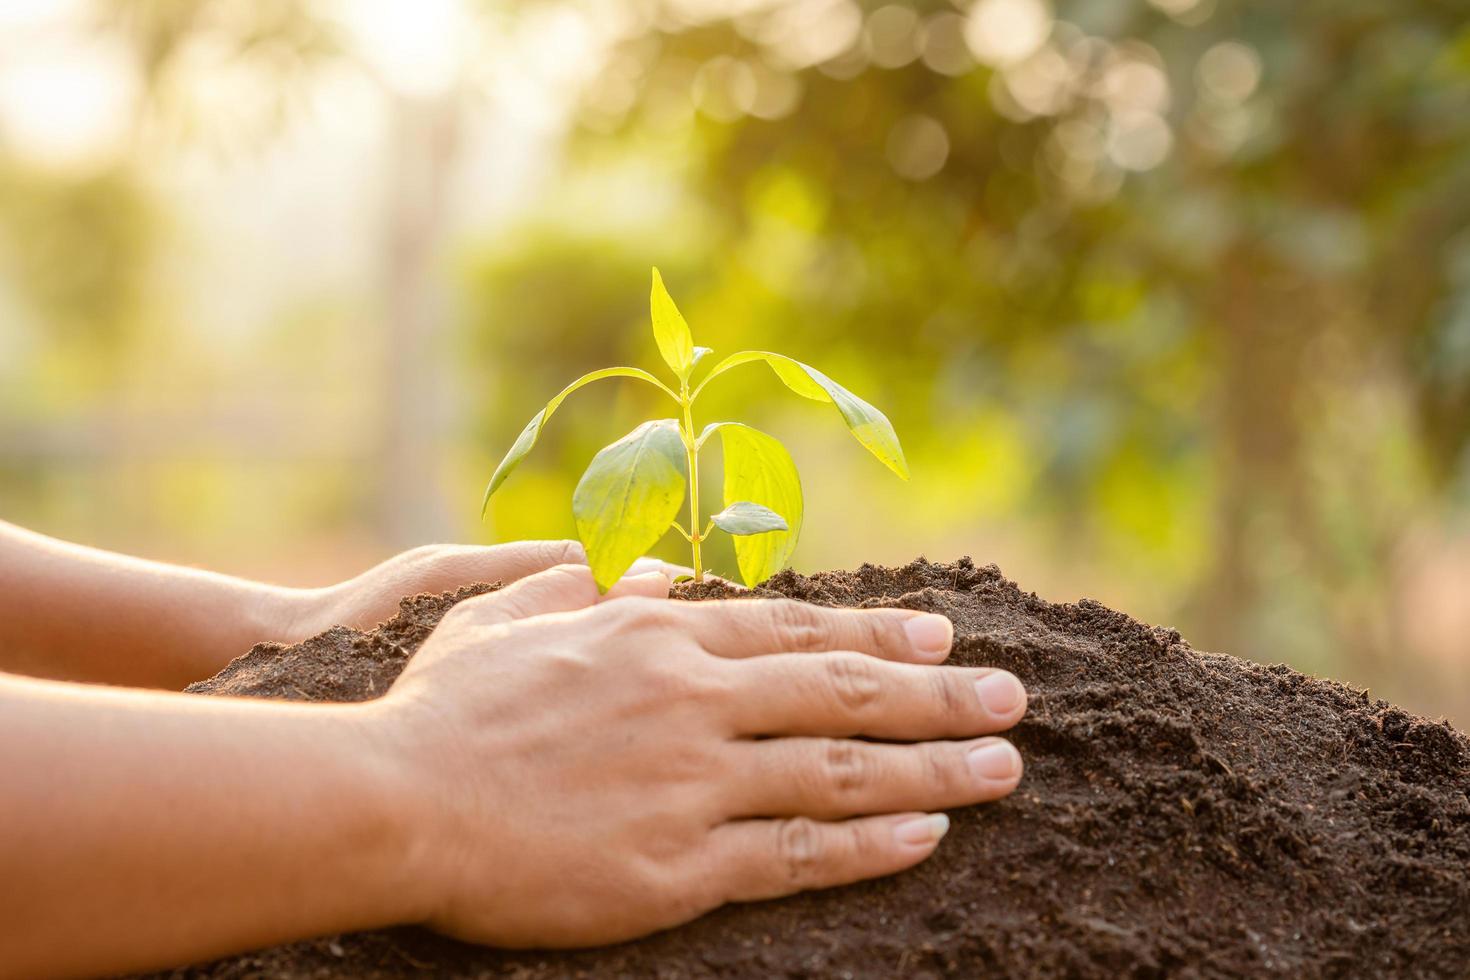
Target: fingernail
pixel 922 830
pixel 995 761
pixel 930 633
pixel 1000 692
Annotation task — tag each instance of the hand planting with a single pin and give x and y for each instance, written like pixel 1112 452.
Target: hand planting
pixel 584 772
pixel 373 596
pixel 634 489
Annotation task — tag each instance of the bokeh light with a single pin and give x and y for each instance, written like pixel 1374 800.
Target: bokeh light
pixel 1003 32
pixel 1168 300
pixel 917 147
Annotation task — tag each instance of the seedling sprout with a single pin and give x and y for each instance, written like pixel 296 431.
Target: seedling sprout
pixel 634 489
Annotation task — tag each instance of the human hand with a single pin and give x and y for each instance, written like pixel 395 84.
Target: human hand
pixel 368 599
pixel 586 771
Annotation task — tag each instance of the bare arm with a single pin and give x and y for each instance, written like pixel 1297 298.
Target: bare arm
pixel 613 769
pixel 75 613
pixel 68 612
pixel 145 829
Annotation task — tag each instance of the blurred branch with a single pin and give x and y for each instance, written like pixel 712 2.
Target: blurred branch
pixel 276 44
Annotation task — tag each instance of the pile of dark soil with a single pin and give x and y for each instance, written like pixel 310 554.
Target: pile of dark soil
pixel 1183 814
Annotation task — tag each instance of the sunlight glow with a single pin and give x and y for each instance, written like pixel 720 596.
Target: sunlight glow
pixel 67 103
pixel 418 49
pixel 1003 32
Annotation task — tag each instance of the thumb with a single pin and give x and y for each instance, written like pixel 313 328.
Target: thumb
pixel 565 588
pixel 650 585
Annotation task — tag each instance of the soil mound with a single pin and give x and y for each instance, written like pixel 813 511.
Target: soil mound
pixel 1183 814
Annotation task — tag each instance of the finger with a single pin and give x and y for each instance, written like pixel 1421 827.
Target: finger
pixel 645 564
pixel 652 585
pixel 438 568
pixel 759 859
pixel 564 588
pixel 852 694
pixel 518 559
pixel 748 627
pixel 829 778
pixel 677 572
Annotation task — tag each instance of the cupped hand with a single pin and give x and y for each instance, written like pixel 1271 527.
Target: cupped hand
pixel 588 771
pixel 368 599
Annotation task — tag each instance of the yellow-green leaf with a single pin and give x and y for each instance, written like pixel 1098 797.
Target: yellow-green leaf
pixel 759 469
pixel 868 425
pixel 532 431
pixel 746 517
pixel 629 497
pixel 670 331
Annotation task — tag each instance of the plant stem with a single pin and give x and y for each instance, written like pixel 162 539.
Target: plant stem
pixel 688 426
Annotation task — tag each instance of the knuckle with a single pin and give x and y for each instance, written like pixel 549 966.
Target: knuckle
pixel 943 769
pixel 574 579
pixel 667 684
pixel 570 569
pixel 797 623
pixel 853 679
pixel 684 769
pixel 565 665
pixel 799 850
pixel 562 553
pixel 885 633
pixel 641 612
pixel 945 693
pixel 848 768
pixel 706 689
pixel 861 844
pixel 566 672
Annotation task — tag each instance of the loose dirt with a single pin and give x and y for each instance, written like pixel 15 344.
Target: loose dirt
pixel 1183 814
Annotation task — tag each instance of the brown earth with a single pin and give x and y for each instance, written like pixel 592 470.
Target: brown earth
pixel 1183 814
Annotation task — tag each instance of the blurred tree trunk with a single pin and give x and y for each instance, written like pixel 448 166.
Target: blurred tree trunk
pixel 411 506
pixel 1265 331
pixel 1276 381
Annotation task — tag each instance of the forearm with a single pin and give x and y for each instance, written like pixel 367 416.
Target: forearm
pixel 76 613
pixel 141 829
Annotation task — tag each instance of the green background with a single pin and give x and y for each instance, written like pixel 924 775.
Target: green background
pixel 1169 302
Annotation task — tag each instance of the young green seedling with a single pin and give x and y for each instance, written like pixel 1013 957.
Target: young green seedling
pixel 634 489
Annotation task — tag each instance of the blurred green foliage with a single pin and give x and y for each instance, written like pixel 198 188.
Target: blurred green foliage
pixel 1169 301
pixel 1230 376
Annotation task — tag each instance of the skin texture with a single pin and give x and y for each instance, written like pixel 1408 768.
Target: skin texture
pixel 68 612
pixel 640 762
pixel 552 768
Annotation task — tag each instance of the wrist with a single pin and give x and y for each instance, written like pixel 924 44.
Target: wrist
pixel 288 615
pixel 211 629
pixel 383 825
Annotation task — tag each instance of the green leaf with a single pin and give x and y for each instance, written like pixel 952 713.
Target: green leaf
pixel 629 497
pixel 675 342
pixel 745 517
pixel 529 434
pixel 759 469
pixel 699 354
pixel 868 425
